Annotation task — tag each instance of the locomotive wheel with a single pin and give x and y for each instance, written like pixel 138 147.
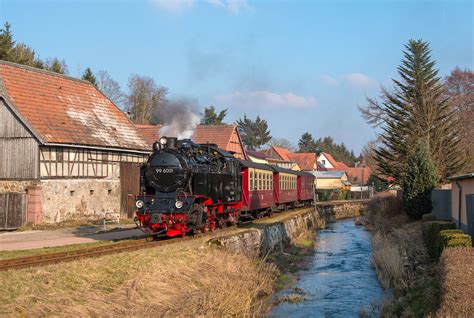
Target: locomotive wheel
pixel 197 218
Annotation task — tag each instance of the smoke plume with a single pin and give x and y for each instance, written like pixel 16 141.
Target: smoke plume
pixel 179 118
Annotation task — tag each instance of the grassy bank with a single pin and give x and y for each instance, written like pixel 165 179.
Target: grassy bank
pixel 183 279
pixel 401 260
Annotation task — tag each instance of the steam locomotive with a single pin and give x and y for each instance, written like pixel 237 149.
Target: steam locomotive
pixel 187 187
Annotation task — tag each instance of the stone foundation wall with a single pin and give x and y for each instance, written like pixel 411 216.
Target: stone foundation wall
pixel 16 186
pixel 78 198
pixel 270 237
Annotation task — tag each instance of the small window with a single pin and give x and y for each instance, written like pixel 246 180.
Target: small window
pixel 251 180
pixel 91 192
pixel 109 192
pixel 71 193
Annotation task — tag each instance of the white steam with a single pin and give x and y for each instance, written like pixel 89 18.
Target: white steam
pixel 179 118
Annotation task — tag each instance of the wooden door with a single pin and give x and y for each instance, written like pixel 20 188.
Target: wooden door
pixel 129 187
pixel 12 210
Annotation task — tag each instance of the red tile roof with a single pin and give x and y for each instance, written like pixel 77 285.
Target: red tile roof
pixel 225 136
pixel 355 174
pixel 65 110
pixel 282 152
pixel 306 160
pixel 331 160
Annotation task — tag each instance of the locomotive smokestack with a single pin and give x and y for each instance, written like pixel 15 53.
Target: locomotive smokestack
pixel 179 118
pixel 172 143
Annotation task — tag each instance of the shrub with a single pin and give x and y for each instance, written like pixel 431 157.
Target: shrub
pixel 430 231
pixel 418 181
pixel 453 238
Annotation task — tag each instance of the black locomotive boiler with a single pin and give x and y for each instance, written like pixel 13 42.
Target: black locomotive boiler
pixel 188 187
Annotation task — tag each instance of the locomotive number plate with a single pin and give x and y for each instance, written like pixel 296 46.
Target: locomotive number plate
pixel 164 170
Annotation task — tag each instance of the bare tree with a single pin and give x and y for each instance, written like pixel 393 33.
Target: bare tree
pixel 283 143
pixel 368 153
pixel 110 88
pixel 374 112
pixel 460 89
pixel 145 99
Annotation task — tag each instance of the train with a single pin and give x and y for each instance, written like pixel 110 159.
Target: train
pixel 188 188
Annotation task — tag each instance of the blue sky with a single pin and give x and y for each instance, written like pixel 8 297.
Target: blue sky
pixel 302 65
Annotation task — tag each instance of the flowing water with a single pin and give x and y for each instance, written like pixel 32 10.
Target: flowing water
pixel 340 280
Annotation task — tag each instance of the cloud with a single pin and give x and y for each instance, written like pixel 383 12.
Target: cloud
pixel 266 99
pixel 174 6
pixel 357 80
pixel 329 80
pixel 234 6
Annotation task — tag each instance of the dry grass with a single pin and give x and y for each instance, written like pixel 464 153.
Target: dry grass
pixel 384 212
pixel 388 261
pixel 457 281
pixel 177 280
pixel 401 259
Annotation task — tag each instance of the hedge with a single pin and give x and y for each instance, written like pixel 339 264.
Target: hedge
pixel 452 238
pixel 430 231
pixel 440 234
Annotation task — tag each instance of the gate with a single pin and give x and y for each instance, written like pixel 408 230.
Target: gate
pixel 470 214
pixel 12 210
pixel 441 200
pixel 129 186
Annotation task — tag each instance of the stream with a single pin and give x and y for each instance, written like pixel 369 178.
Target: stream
pixel 340 280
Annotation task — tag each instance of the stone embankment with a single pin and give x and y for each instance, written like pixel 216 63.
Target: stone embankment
pixel 272 235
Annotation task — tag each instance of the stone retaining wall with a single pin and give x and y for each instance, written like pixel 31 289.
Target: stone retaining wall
pixel 270 237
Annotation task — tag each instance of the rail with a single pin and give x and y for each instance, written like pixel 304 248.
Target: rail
pixel 58 257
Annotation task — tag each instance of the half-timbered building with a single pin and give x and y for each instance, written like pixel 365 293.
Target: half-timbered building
pixel 64 148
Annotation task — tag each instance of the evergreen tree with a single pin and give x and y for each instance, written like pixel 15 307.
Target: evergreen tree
pixel 212 118
pixel 57 66
pixel 417 109
pixel 306 143
pixel 6 42
pixel 20 53
pixel 254 133
pixel 89 76
pixel 418 181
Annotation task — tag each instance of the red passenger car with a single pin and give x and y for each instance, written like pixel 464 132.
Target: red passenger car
pixel 257 189
pixel 305 185
pixel 285 192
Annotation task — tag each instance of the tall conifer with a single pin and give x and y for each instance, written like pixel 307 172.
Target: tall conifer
pixel 417 109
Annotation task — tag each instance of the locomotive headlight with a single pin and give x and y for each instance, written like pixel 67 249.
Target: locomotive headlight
pixel 179 204
pixel 163 141
pixel 139 204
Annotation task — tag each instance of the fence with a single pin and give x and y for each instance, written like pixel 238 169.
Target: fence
pixel 470 214
pixel 12 210
pixel 441 200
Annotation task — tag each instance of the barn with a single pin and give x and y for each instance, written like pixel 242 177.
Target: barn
pixel 66 151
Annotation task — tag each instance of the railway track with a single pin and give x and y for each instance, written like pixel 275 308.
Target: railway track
pixel 59 257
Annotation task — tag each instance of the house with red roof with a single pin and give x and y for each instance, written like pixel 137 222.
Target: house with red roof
pixel 356 175
pixel 65 147
pixel 226 137
pixel 282 157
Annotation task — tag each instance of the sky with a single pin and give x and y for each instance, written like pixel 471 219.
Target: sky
pixel 302 65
